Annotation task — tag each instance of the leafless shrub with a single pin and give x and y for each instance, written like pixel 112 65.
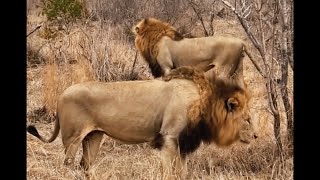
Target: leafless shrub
pixel 271 39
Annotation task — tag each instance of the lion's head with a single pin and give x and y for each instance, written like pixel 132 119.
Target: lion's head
pixel 148 33
pixel 153 29
pixel 223 106
pixel 230 113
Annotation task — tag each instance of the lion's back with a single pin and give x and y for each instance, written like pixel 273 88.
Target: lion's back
pixel 156 91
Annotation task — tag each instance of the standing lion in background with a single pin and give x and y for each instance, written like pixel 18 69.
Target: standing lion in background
pixel 163 48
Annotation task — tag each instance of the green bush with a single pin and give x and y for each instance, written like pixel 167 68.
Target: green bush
pixel 68 10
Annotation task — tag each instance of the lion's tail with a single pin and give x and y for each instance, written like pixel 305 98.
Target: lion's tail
pixel 245 48
pixel 33 130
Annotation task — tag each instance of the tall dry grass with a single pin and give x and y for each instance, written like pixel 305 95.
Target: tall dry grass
pixel 120 161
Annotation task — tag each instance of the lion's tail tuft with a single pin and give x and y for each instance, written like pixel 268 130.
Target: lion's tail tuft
pixel 33 130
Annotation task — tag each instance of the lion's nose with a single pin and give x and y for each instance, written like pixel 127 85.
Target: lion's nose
pixel 255 136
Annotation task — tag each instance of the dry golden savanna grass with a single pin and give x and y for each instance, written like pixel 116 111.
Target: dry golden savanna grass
pixel 100 51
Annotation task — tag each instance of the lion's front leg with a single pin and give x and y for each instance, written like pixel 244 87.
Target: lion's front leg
pixel 173 165
pixel 164 60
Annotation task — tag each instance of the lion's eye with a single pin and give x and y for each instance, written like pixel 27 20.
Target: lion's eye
pixel 248 121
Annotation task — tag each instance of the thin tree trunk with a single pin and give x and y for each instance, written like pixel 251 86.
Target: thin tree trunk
pixel 284 67
pixel 290 37
pixel 276 118
pixel 288 109
pixel 273 102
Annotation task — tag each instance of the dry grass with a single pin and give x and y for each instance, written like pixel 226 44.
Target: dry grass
pixel 120 161
pixel 99 51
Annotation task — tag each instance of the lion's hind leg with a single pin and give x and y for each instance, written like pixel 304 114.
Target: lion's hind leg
pixel 71 142
pixel 91 145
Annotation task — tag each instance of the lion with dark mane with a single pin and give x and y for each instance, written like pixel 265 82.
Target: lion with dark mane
pixel 163 48
pixel 176 115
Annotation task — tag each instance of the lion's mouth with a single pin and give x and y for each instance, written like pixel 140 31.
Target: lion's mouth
pixel 244 141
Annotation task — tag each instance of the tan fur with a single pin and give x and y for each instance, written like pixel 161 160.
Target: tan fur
pixel 122 110
pixel 205 90
pixel 163 48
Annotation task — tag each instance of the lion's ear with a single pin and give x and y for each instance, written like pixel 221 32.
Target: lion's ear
pixel 136 29
pixel 232 104
pixel 210 66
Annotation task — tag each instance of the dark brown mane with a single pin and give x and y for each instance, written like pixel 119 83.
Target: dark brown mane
pixel 191 137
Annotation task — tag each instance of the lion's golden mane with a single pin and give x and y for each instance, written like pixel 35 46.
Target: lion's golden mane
pixel 149 32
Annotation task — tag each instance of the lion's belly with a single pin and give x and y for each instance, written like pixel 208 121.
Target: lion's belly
pixel 131 122
pixel 192 54
pixel 130 135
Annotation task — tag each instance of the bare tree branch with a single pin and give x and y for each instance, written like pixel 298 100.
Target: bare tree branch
pixel 270 97
pixel 134 62
pixel 211 22
pixel 269 83
pixel 244 24
pixel 262 34
pixel 38 27
pixel 199 17
pixel 252 38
